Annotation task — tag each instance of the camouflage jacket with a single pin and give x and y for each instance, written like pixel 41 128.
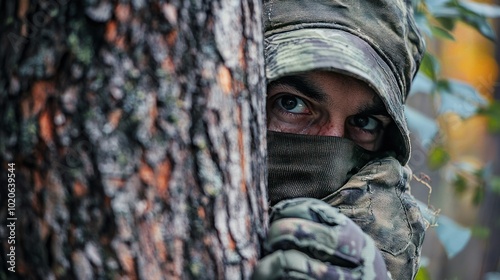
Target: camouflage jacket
pixel 374 220
pixel 378 199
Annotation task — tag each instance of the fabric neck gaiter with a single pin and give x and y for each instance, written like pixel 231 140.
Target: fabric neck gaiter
pixel 309 165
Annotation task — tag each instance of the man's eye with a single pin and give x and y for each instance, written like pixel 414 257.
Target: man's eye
pixel 292 104
pixel 366 123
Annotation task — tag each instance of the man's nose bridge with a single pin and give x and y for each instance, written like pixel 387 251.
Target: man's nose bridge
pixel 333 128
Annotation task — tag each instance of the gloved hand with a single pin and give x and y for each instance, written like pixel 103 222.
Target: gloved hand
pixel 378 199
pixel 309 239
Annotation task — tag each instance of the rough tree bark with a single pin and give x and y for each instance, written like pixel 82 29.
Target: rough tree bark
pixel 137 129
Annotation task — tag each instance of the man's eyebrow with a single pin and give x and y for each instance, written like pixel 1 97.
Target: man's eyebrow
pixel 375 108
pixel 303 86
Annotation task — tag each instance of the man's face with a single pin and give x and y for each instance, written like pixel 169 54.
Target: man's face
pixel 329 104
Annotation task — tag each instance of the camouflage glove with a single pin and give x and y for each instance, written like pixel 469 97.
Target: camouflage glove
pixel 378 199
pixel 308 239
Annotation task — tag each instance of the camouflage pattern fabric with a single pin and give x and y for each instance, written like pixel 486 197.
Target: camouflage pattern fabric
pixel 311 165
pixel 378 199
pixel 309 239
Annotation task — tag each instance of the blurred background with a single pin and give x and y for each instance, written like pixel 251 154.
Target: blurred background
pixel 456 142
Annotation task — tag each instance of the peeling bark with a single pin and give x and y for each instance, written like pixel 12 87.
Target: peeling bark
pixel 138 133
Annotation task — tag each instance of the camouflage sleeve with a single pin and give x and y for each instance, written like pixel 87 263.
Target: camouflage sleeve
pixel 378 199
pixel 309 239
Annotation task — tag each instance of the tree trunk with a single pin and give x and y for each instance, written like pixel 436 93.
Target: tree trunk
pixel 137 130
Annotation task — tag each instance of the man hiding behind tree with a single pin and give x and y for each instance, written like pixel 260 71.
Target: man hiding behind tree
pixel 338 74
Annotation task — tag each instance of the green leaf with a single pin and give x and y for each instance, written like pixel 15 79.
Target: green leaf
pixel 422 84
pixel 478 195
pixel 424 127
pixel 447 23
pixel 494 125
pixel 441 33
pixel 459 98
pixel 428 214
pixel 453 236
pixel 446 12
pixel 478 22
pixel 442 8
pixel 433 4
pixel 430 66
pixel 492 112
pixel 495 184
pixel 423 23
pixel 466 91
pixel 483 9
pixel 480 232
pixel 460 184
pixel 423 274
pixel 454 104
pixel 438 157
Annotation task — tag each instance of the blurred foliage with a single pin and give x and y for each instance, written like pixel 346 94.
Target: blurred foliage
pixel 437 20
pixel 480 232
pixel 495 185
pixel 493 113
pixel 438 157
pixel 452 236
pixel 423 274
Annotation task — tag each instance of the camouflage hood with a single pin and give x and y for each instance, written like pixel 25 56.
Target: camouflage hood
pixel 374 41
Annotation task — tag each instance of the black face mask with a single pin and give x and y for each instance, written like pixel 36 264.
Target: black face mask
pixel 311 166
